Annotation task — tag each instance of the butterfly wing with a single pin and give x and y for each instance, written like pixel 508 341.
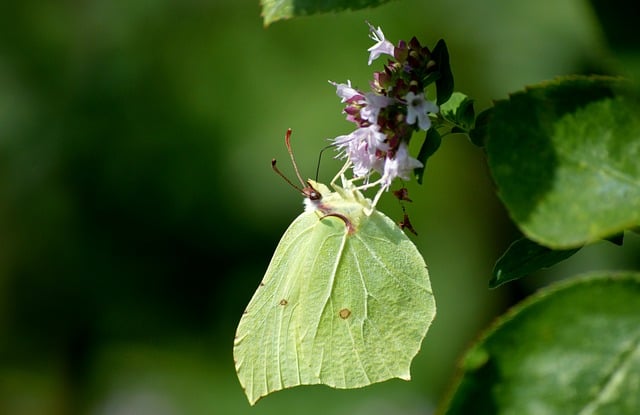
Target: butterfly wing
pixel 345 309
pixel 267 346
pixel 379 311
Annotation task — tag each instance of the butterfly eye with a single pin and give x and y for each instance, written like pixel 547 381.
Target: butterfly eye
pixel 311 193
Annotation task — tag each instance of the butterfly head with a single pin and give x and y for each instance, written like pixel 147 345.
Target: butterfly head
pixel 312 197
pixel 311 193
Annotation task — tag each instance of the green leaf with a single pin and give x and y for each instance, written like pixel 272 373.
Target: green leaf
pixel 459 110
pixel 573 348
pixel 524 257
pixel 430 145
pixel 444 84
pixel 564 156
pixel 479 132
pixel 617 21
pixel 274 10
pixel 450 108
pixel 345 301
pixel 617 239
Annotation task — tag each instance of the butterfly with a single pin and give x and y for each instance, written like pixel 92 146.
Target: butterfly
pixel 346 299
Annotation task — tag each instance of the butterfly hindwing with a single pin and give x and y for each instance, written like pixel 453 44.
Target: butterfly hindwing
pixel 379 310
pixel 345 306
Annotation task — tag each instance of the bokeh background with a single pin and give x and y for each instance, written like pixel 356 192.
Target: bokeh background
pixel 138 210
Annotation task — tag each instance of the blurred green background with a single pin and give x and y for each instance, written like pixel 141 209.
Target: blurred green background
pixel 138 210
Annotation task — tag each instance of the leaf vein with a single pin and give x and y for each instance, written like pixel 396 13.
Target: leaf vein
pixel 615 377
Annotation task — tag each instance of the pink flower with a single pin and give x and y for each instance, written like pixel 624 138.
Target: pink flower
pixel 401 165
pixel 365 149
pixel 345 91
pixel 382 47
pixel 374 103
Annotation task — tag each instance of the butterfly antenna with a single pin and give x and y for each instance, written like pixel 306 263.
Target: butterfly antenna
pixel 287 139
pixel 306 190
pixel 277 170
pixel 320 158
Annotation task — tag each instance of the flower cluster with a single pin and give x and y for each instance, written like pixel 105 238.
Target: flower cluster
pixel 388 115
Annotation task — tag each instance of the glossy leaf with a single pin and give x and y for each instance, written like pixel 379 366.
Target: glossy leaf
pixel 274 10
pixel 459 110
pixel 573 348
pixel 617 20
pixel 478 133
pixel 564 156
pixel 430 145
pixel 444 83
pixel 524 257
pixel 617 239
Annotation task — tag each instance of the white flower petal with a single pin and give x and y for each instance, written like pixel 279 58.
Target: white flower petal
pixel 382 45
pixel 345 91
pixel 374 103
pixel 402 165
pixel 418 108
pixel 362 147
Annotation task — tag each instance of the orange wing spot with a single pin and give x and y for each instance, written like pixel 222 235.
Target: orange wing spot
pixel 344 313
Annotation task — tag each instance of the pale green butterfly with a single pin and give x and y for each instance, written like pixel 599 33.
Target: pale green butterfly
pixel 346 300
